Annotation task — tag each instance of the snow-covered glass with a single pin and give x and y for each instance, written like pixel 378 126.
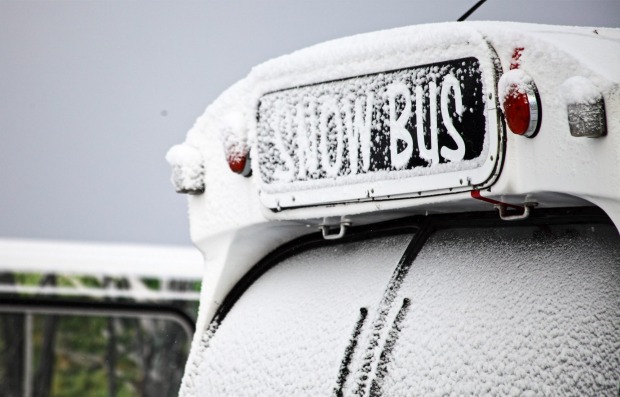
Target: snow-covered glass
pixel 288 334
pixel 479 311
pixel 512 311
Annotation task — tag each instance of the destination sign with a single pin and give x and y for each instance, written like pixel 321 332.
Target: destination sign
pixel 402 124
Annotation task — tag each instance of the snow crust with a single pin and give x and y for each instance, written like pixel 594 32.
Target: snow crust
pixel 491 312
pixel 513 313
pixel 187 168
pixel 580 90
pixel 184 155
pixel 596 49
pixel 512 82
pixel 287 333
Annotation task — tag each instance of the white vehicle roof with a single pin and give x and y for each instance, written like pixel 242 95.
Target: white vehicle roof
pixel 232 222
pixel 554 169
pixel 68 257
pixel 72 260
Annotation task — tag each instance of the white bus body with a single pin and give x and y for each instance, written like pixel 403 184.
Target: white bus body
pixel 445 137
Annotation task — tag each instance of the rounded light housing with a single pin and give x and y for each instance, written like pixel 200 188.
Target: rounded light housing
pixel 240 163
pixel 521 103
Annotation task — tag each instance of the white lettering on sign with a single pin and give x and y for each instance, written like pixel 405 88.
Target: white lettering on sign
pixel 398 129
pixel 330 110
pixel 323 129
pixel 451 83
pixel 285 173
pixel 307 143
pixel 358 129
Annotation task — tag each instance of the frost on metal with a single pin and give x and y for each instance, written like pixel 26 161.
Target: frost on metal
pixel 585 107
pixel 187 169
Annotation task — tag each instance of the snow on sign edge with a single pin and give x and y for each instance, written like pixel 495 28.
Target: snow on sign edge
pixel 401 50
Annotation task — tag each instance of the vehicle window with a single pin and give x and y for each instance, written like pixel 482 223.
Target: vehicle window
pixel 511 311
pixel 288 333
pixel 479 311
pixel 45 354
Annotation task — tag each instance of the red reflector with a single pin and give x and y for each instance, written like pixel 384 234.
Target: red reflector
pixel 517 109
pixel 239 163
pixel 520 103
pixel 236 164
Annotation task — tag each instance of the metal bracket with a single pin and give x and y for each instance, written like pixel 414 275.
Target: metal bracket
pixel 325 228
pixel 502 207
pixel 503 211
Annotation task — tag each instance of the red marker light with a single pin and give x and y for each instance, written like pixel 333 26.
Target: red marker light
pixel 517 110
pixel 240 163
pixel 520 103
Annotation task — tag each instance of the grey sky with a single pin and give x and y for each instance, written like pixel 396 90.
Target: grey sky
pixel 92 94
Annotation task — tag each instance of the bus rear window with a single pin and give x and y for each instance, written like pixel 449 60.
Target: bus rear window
pixel 478 311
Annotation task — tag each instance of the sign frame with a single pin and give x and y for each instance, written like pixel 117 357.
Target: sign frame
pixel 394 184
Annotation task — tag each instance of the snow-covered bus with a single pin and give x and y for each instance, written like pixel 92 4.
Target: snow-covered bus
pixel 430 210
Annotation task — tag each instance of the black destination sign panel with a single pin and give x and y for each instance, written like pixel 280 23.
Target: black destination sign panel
pixel 419 121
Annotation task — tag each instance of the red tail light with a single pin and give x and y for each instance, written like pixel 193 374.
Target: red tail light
pixel 520 102
pixel 239 163
pixel 518 111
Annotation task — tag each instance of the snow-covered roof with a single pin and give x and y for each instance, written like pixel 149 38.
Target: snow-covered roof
pixel 117 260
pixel 549 54
pixel 233 224
pixel 86 269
